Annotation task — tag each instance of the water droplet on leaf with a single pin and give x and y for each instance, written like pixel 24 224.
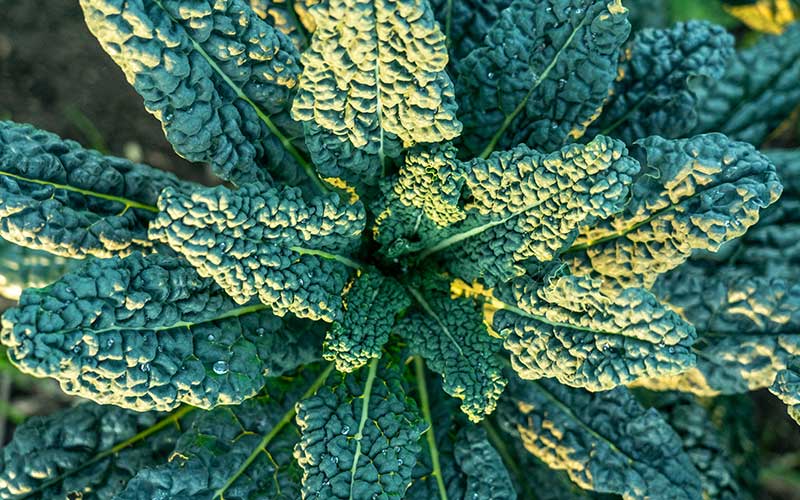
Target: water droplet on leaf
pixel 220 367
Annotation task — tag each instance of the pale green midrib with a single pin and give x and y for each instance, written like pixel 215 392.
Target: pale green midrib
pixel 328 255
pixel 233 313
pixel 283 422
pixel 458 238
pixel 85 192
pixel 430 435
pixel 429 311
pixel 517 110
pixel 140 436
pixel 566 409
pixel 373 369
pixel 285 142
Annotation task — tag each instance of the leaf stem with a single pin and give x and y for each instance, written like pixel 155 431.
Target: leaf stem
pixel 430 435
pixel 328 255
pixel 262 446
pixel 170 419
pixel 373 369
pixel 128 203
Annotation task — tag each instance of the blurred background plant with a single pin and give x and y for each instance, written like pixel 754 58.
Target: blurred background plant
pixel 54 75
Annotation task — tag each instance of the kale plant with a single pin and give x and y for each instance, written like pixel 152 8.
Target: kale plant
pixel 457 248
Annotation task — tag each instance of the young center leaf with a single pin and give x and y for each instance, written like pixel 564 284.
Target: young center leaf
pixel 266 242
pixel 61 198
pixel 150 333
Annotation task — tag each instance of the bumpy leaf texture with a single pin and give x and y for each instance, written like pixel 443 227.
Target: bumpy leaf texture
pixel 22 268
pixel 768 16
pixel 483 218
pixel 787 388
pixel 359 435
pixel 291 17
pixel 150 333
pixel 217 77
pixel 756 93
pixel 542 74
pixel 693 194
pixel 525 205
pixel 235 452
pixel 373 81
pixel 653 94
pixel 465 23
pixel 77 444
pixel 371 303
pixel 606 441
pixel 265 242
pixel 450 335
pixel 703 443
pixel 74 202
pixel 572 329
pixel 748 326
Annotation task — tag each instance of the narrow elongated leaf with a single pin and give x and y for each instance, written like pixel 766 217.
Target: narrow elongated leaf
pixel 450 335
pixel 702 442
pixel 768 16
pixel 542 74
pixel 217 77
pixel 606 441
pixel 371 303
pixel 756 93
pixel 748 326
pixel 149 333
pixel 235 452
pixel 88 452
pixel 574 330
pixel 465 23
pixel 265 242
pixel 654 95
pixel 359 435
pixel 22 268
pixel 694 194
pixel 373 81
pixel 70 201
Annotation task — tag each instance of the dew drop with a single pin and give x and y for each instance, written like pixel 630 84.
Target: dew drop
pixel 345 429
pixel 399 461
pixel 327 482
pixel 160 348
pixel 76 349
pixel 301 281
pixel 548 10
pixel 211 337
pixel 145 367
pixel 671 350
pixel 69 289
pixel 490 76
pixel 259 331
pixel 334 459
pixel 223 246
pixel 110 343
pixel 662 344
pixel 168 116
pixel 220 367
pixel 578 11
pixel 561 83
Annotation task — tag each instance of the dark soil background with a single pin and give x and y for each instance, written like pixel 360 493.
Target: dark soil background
pixel 54 75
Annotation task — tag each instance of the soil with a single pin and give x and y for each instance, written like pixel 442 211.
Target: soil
pixel 54 75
